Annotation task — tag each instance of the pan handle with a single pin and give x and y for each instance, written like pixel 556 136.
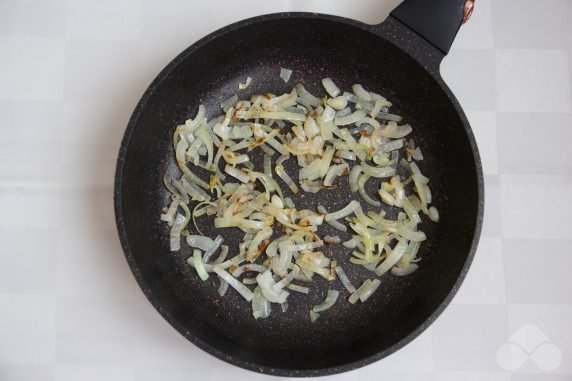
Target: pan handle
pixel 437 21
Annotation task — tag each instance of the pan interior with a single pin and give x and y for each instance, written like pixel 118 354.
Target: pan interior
pixel 289 342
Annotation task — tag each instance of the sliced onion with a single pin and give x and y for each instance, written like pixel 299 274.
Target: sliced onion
pixel 392 130
pixel 210 251
pixel 242 86
pixel 330 300
pixel 330 87
pixel 297 288
pixel 310 186
pixel 253 249
pixel 346 211
pixel 346 154
pixel 223 288
pixel 350 244
pixel 332 240
pixel 311 129
pixel 370 122
pixel 326 127
pixel 338 103
pixel 314 316
pixel 267 150
pixel 208 141
pixel 286 253
pixel 285 74
pixel 389 117
pixel 360 103
pixel 178 225
pixel 355 296
pixel 390 146
pixel 306 96
pixel 382 160
pixel 377 171
pixel 434 214
pixel 375 96
pixel 200 242
pixel 368 290
pixel 261 307
pixel 345 280
pixel 230 102
pixel 190 175
pixel 287 279
pixel 277 201
pixel 247 268
pixel 360 92
pixel 353 178
pixel 328 115
pixel 169 217
pixel 237 174
pixel 386 197
pixel 338 225
pixel 281 172
pixel 398 271
pixel 361 189
pixel 199 265
pixel 272 248
pixel 378 106
pixel 300 134
pixel 335 171
pixel 234 283
pixel 314 263
pixel 289 203
pixel 307 246
pixel 223 254
pixel 345 112
pixel 234 159
pixel 350 119
pixel 326 160
pixel 363 293
pixel 277 146
pixel 223 265
pixel 333 223
pixel 392 259
pixel 191 189
pixel 266 283
pixel 417 154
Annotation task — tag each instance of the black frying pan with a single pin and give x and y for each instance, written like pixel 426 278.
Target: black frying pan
pixel 400 59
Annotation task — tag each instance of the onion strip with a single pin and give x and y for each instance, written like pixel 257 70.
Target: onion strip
pixel 345 280
pixel 242 289
pixel 346 211
pixel 330 300
pixel 330 87
pixel 199 265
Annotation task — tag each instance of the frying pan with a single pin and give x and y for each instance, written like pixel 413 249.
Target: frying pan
pixel 398 58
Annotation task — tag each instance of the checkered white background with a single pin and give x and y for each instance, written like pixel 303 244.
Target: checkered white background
pixel 70 74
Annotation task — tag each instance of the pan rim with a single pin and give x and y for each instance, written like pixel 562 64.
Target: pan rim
pixel 205 346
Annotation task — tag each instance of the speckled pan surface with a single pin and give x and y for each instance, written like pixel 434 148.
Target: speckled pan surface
pixel 313 46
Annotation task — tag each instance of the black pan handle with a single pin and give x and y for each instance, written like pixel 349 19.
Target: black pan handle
pixel 437 21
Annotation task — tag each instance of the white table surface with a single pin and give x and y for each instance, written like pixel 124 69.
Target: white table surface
pixel 70 74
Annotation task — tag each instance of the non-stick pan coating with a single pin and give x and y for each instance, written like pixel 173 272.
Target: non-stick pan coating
pixel 346 336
